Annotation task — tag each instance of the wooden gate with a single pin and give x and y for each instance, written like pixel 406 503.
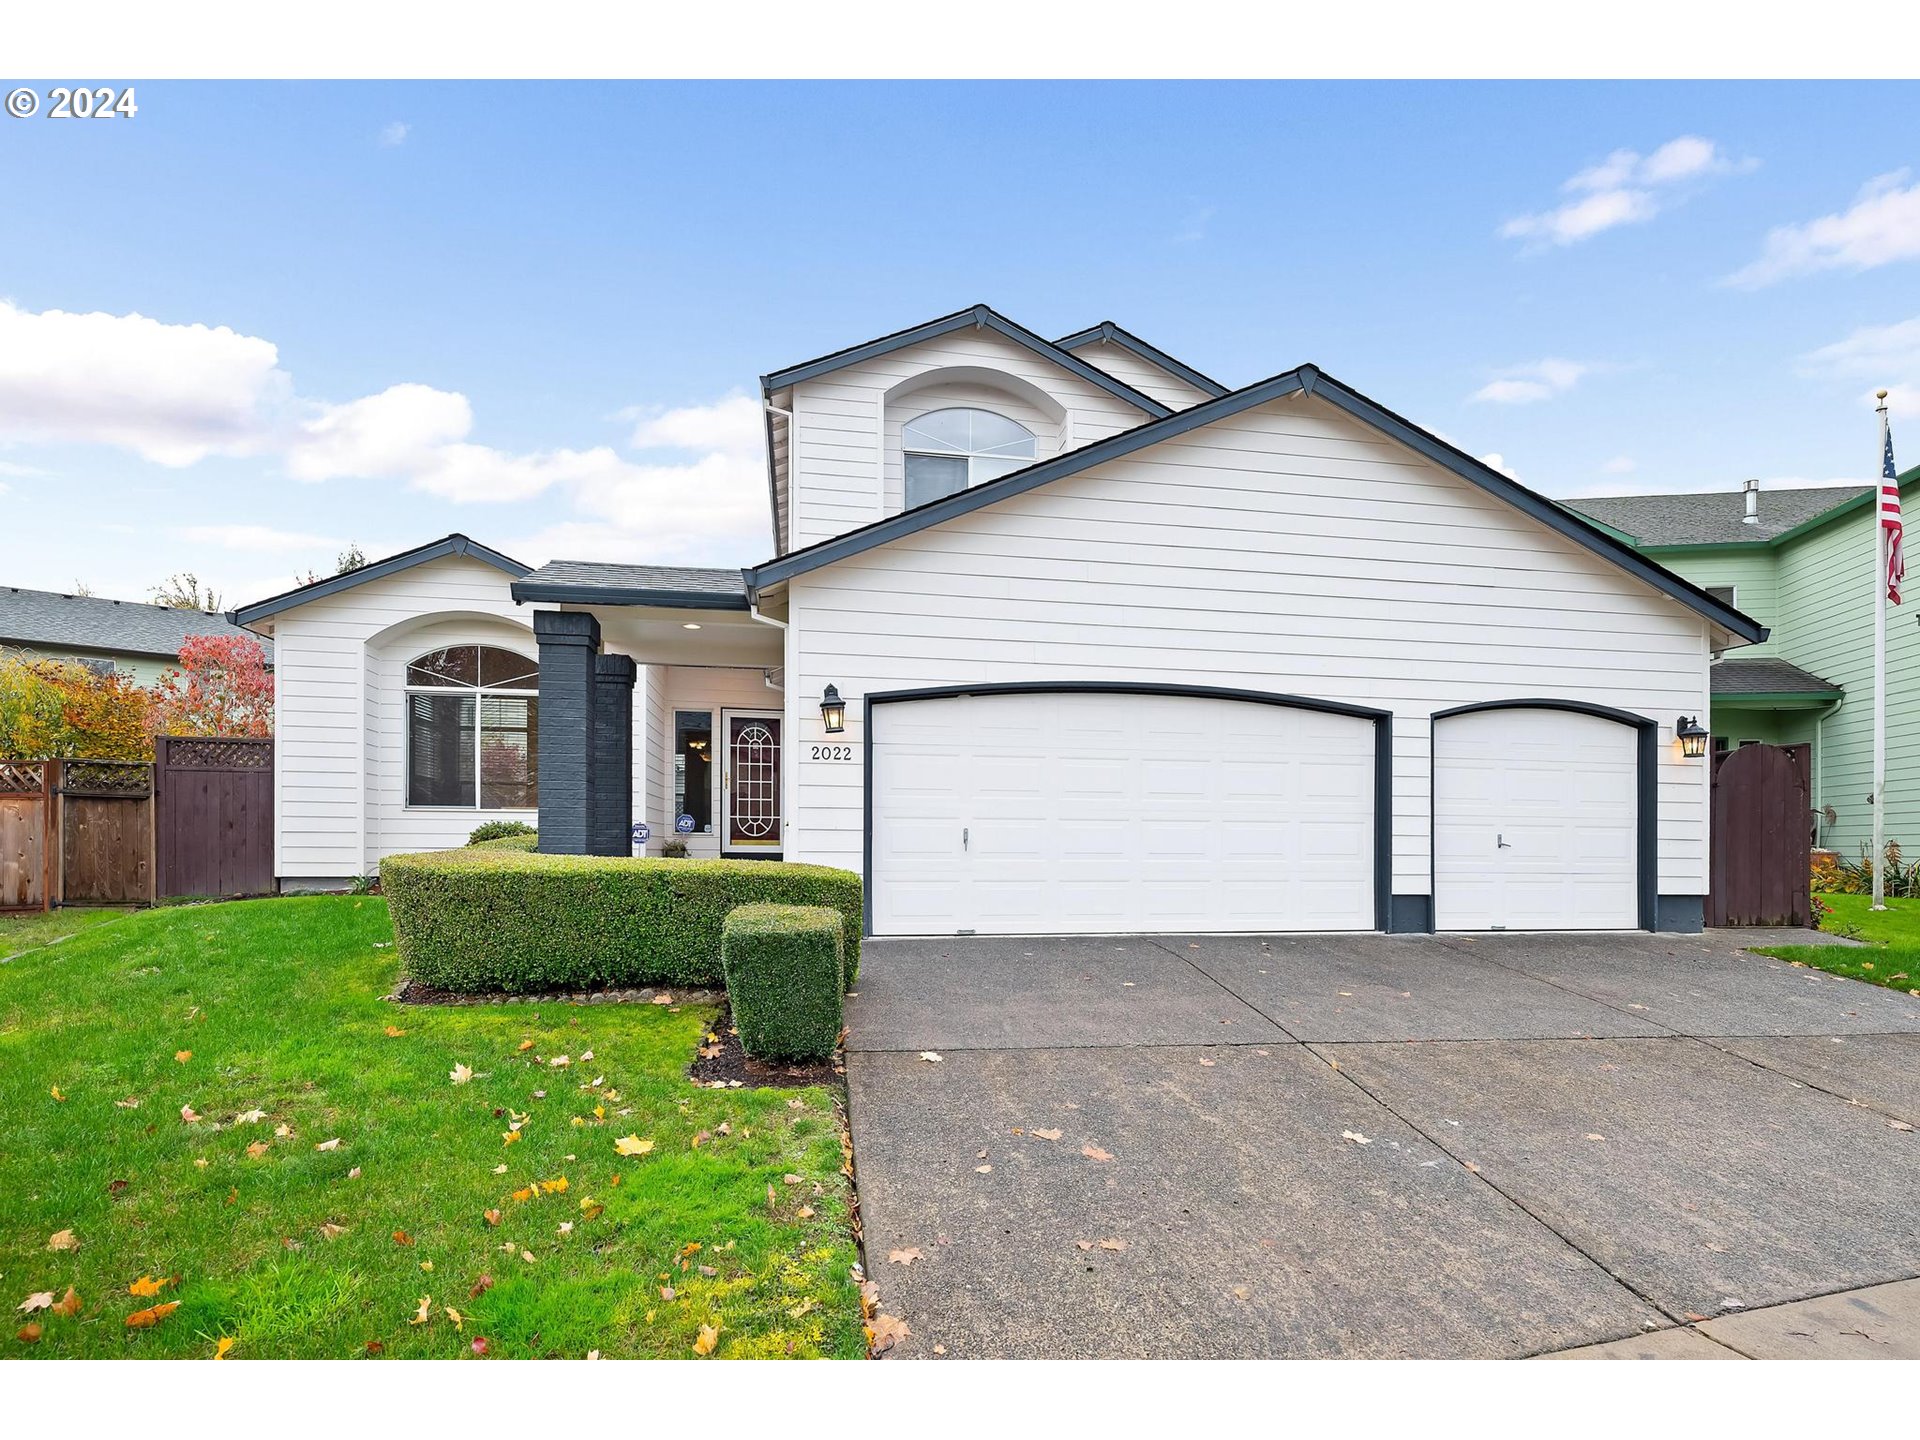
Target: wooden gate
pixel 1762 837
pixel 213 823
pixel 106 832
pixel 26 860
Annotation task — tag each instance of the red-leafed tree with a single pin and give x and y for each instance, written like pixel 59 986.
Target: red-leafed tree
pixel 221 688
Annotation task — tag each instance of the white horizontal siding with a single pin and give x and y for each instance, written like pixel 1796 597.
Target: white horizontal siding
pixel 1289 550
pixel 838 466
pixel 1142 374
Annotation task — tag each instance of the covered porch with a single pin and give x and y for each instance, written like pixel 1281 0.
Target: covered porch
pixel 663 713
pixel 1761 700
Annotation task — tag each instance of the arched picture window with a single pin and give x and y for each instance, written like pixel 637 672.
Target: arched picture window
pixel 949 450
pixel 473 729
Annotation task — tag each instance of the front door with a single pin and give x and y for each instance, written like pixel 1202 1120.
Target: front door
pixel 750 780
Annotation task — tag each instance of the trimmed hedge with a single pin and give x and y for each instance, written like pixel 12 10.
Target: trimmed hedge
pixel 498 830
pixel 785 976
pixel 487 918
pixel 525 843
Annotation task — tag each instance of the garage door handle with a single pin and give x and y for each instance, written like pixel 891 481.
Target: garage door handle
pixel 964 837
pixel 1500 842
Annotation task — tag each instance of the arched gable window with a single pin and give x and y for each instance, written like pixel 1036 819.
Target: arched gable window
pixel 473 729
pixel 948 451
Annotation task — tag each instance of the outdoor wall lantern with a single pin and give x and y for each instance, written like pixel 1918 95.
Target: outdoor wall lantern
pixel 1692 735
pixel 833 710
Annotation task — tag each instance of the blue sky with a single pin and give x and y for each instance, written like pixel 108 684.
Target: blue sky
pixel 537 313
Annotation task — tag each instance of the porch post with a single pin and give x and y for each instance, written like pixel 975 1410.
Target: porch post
pixel 610 801
pixel 569 644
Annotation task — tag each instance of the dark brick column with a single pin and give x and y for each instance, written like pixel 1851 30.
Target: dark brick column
pixel 569 645
pixel 610 802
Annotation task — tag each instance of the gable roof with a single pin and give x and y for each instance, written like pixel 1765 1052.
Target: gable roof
pixel 980 317
pixel 455 544
pixel 1308 379
pixel 1715 517
pixel 1106 332
pixel 39 619
pixel 1765 676
pixel 582 582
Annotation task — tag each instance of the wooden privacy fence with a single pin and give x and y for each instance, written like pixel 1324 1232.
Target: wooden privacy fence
pixel 1760 865
pixel 197 821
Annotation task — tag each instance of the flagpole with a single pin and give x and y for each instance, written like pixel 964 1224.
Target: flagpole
pixel 1880 682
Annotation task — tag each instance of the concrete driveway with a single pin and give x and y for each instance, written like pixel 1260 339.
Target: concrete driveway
pixel 1367 1145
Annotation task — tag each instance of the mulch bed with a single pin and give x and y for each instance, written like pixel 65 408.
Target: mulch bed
pixel 722 1065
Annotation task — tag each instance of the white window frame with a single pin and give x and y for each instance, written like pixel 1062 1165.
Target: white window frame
pixel 476 693
pixel 970 456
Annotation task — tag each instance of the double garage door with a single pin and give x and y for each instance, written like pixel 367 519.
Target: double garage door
pixel 1079 812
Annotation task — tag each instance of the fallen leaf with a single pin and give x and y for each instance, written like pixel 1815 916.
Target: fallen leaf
pixel 258 1148
pixel 509 1137
pixel 885 1332
pixel 249 1117
pixel 1094 1152
pixel 146 1287
pixel 222 1346
pixel 400 1237
pixel 354 1173
pixel 559 1062
pixel 931 1056
pixel 394 1032
pixel 454 1315
pixel 525 1045
pixel 663 998
pixel 805 1307
pixel 183 1056
pixel 55 1092
pixel 492 1217
pixel 374 1347
pixel 500 1169
pixel 1113 1244
pixel 983 1169
pixel 233 1195
pixel 1083 1244
pixel 331 1232
pixel 426 1309
pixel 805 1212
pixel 427 1265
pixel 480 1287
pixel 708 1338
pixel 591 1209
pixel 556 1186
pixel 479 1346
pixel 283 1131
pixel 903 1257
pixel 1592 1135
pixel 29 1334
pixel 1355 1136
pixel 527 1255
pixel 1046 1134
pixel 523 1195
pixel 68 1304
pixel 142 1319
pixel 132 1102
pixel 1899 1124
pixel 114 1187
pixel 460 1074
pixel 62 1240
pixel 333 1144
pixel 188 1115
pixel 39 1300
pixel 939 1349
pixel 1209 1063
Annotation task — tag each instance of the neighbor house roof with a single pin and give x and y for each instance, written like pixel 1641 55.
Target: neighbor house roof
pixel 1764 676
pixel 1312 381
pixel 46 620
pixel 1106 332
pixel 455 544
pixel 583 582
pixel 1716 517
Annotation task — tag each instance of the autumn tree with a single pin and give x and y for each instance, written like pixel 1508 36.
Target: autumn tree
pixel 57 710
pixel 183 592
pixel 222 687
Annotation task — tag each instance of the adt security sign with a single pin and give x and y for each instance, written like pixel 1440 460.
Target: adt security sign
pixel 684 825
pixel 641 834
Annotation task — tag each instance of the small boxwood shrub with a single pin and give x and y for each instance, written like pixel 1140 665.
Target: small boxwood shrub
pixel 491 919
pixel 785 976
pixel 499 830
pixel 528 842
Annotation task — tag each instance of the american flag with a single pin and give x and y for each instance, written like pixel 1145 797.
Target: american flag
pixel 1890 516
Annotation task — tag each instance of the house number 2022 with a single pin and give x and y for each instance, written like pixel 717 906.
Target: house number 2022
pixel 831 752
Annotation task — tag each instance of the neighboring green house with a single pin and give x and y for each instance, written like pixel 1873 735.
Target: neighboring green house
pixel 1802 562
pixel 138 640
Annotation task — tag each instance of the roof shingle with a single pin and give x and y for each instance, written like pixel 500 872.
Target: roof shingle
pixel 1715 517
pixel 43 619
pixel 1764 675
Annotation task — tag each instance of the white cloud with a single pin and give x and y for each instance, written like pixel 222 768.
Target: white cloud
pixel 1525 384
pixel 1883 226
pixel 1627 188
pixel 20 472
pixel 1884 356
pixel 173 394
pixel 1620 465
pixel 394 133
pixel 176 394
pixel 255 539
pixel 1497 461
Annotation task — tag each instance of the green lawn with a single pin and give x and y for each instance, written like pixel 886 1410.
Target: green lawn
pixel 1890 955
pixel 21 933
pixel 306 1247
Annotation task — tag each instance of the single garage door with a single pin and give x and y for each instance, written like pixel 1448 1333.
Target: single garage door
pixel 1091 812
pixel 1535 822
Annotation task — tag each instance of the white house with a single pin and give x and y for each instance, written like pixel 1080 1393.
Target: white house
pixel 1119 649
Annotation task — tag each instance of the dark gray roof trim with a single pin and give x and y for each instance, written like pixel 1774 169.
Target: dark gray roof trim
pixel 674 587
pixel 1308 379
pixel 1108 332
pixel 455 544
pixel 981 317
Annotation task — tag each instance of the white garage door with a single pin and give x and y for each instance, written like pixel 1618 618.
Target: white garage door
pixel 1083 813
pixel 1535 822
